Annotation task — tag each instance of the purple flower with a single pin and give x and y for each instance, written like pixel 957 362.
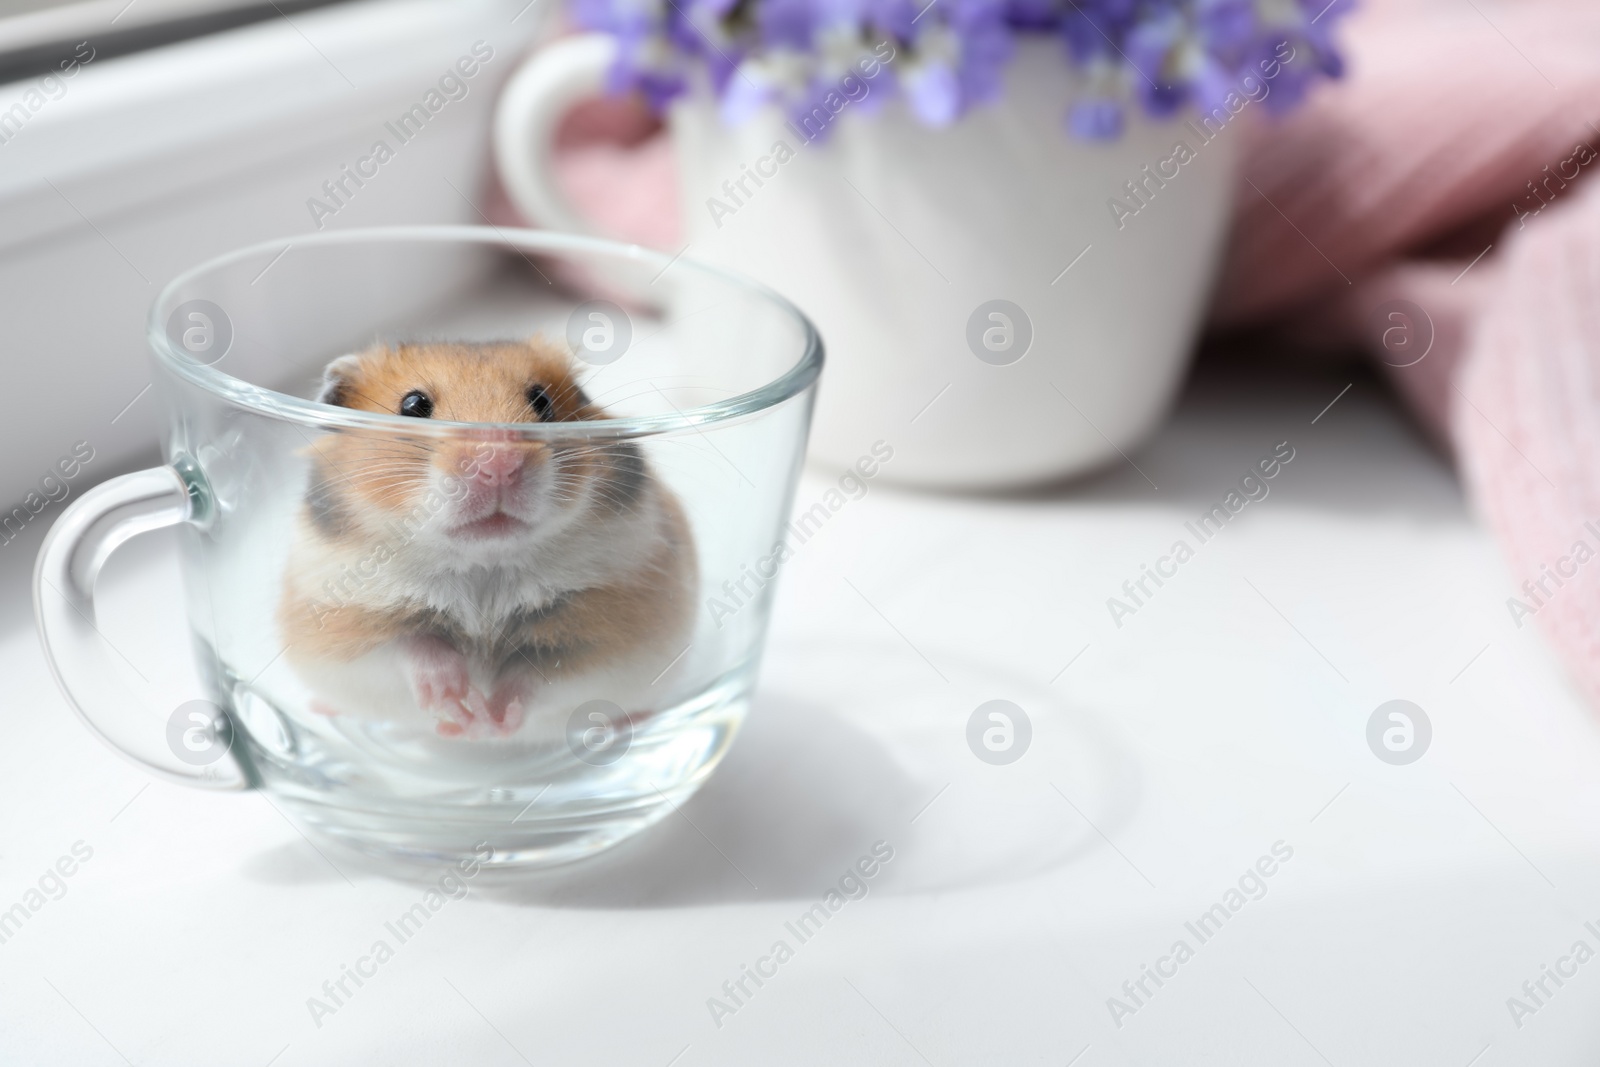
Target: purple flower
pixel 1035 15
pixel 1226 28
pixel 944 57
pixel 1095 119
pixel 930 82
pixel 1157 50
pixel 786 23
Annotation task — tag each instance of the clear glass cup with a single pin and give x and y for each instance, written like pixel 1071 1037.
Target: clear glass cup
pixel 408 676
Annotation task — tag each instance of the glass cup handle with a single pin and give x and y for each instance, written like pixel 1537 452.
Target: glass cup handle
pixel 83 538
pixel 530 110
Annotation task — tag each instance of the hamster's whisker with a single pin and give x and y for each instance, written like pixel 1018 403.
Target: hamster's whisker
pixel 382 463
pixel 389 483
pixel 349 468
pixel 374 455
pixel 646 387
pixel 367 477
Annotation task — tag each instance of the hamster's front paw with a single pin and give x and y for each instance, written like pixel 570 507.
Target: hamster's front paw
pixel 440 682
pixel 499 714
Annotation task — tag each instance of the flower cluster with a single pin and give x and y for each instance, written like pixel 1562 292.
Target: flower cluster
pixel 951 55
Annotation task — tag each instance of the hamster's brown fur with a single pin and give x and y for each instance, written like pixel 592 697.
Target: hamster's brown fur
pixel 493 576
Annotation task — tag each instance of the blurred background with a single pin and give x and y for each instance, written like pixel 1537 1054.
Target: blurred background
pixel 1394 280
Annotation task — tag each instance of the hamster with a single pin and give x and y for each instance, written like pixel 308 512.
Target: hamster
pixel 464 584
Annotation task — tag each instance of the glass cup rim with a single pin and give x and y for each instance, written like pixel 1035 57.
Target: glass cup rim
pixel 286 406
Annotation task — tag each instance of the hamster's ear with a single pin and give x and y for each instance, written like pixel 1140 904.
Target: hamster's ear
pixel 337 381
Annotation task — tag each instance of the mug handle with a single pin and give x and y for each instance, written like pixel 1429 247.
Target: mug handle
pixel 79 543
pixel 530 110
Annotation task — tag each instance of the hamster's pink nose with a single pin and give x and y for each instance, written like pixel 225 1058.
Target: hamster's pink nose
pixel 495 467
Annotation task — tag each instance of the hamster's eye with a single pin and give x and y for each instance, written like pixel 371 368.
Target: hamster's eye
pixel 416 404
pixel 539 400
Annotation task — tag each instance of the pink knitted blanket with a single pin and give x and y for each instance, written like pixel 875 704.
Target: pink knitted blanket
pixel 1441 195
pixel 1435 207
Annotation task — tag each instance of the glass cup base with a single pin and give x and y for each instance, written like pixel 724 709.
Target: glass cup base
pixel 549 805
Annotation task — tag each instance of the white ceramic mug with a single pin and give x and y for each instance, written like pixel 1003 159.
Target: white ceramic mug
pixel 988 305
